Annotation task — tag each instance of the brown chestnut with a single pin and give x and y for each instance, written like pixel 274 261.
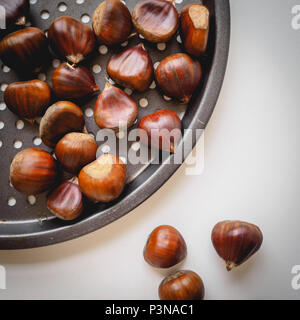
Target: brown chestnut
pixel 195 28
pixel 28 99
pixel 132 68
pixel 179 76
pixel 16 12
pixel 112 22
pixel 61 118
pixel 71 82
pixel 33 171
pixel 182 285
pixel 104 179
pixel 115 109
pixel 25 50
pixel 236 241
pixel 163 130
pixel 71 39
pixel 156 20
pixel 66 201
pixel 75 150
pixel 165 247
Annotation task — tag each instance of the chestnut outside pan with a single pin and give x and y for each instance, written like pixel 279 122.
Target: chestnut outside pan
pixel 26 223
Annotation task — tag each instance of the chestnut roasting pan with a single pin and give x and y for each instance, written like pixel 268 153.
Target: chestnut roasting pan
pixel 25 221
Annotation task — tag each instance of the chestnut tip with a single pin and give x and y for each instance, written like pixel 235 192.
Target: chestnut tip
pixel 21 21
pixel 96 88
pixel 230 265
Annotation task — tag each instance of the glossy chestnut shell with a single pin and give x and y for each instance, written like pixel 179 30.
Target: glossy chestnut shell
pixel 28 99
pixel 75 150
pixel 182 285
pixel 132 68
pixel 25 50
pixel 61 118
pixel 112 22
pixel 71 39
pixel 104 179
pixel 236 241
pixel 155 20
pixel 71 82
pixel 115 109
pixel 163 130
pixel 16 12
pixel 195 28
pixel 165 247
pixel 179 76
pixel 33 171
pixel 66 201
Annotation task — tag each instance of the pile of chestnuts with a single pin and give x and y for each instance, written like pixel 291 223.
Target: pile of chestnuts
pixel 62 127
pixel 234 241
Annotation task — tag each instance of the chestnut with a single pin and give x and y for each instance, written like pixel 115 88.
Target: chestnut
pixel 25 50
pixel 104 179
pixel 195 28
pixel 28 99
pixel 33 171
pixel 61 118
pixel 114 109
pixel 165 247
pixel 179 76
pixel 71 39
pixel 66 201
pixel 163 130
pixel 156 20
pixel 182 285
pixel 112 22
pixel 71 82
pixel 132 68
pixel 75 150
pixel 236 241
pixel 16 12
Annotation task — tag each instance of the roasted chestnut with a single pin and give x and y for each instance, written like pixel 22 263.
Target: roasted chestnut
pixel 16 12
pixel 66 201
pixel 28 99
pixel 71 39
pixel 182 285
pixel 61 118
pixel 179 76
pixel 75 150
pixel 71 82
pixel 33 171
pixel 163 129
pixel 165 247
pixel 104 179
pixel 195 28
pixel 132 68
pixel 236 241
pixel 112 22
pixel 156 20
pixel 115 109
pixel 25 50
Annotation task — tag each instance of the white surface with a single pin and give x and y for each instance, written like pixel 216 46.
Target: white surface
pixel 251 173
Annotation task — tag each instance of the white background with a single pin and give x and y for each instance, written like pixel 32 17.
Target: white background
pixel 252 172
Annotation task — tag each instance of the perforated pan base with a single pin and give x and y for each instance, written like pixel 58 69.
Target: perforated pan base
pixel 25 221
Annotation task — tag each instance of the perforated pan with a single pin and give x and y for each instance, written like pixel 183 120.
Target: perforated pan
pixel 25 221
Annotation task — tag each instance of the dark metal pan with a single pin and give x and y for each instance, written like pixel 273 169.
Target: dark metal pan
pixel 26 223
